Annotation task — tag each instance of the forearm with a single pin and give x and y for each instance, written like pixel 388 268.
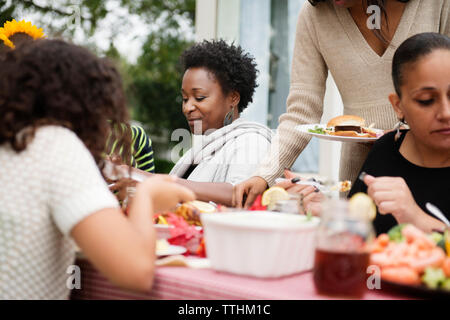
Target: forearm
pixel 286 145
pixel 210 191
pixel 304 102
pixel 423 221
pixel 140 214
pixel 427 223
pixel 140 175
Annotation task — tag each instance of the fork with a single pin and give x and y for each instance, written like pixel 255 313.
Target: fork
pixel 437 213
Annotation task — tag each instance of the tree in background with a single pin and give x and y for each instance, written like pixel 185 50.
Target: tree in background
pixel 153 87
pixel 153 82
pixel 61 16
pixel 157 74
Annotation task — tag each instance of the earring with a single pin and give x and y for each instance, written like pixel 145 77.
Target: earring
pixel 228 117
pixel 397 127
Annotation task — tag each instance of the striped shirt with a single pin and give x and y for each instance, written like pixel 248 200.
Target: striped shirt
pixel 142 151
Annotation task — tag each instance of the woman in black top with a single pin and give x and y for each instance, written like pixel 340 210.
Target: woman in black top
pixel 404 183
pixel 408 168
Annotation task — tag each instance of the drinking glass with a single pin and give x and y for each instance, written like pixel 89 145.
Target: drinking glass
pixel 342 250
pixel 291 205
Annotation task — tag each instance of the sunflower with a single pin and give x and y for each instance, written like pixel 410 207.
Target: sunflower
pixel 5 40
pixel 11 28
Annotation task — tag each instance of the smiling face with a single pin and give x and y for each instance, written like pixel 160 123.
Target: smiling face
pixel 204 102
pixel 425 100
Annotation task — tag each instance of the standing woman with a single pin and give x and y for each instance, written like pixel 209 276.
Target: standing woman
pixel 333 35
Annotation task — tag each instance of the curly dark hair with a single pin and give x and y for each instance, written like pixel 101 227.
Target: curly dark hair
pixel 3 50
pixel 232 67
pixel 17 39
pixel 46 82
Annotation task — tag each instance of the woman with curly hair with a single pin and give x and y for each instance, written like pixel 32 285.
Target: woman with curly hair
pixel 56 101
pixel 16 33
pixel 219 82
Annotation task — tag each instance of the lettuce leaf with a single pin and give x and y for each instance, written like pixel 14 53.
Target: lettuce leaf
pixel 395 234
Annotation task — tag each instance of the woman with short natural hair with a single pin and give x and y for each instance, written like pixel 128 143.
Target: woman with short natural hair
pixel 218 84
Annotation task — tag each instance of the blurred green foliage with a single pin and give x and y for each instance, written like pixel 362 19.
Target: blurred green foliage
pixel 165 12
pixel 153 9
pixel 152 84
pixel 163 166
pixel 90 13
pixel 155 84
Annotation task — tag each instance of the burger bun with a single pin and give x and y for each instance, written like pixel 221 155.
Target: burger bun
pixel 349 134
pixel 346 120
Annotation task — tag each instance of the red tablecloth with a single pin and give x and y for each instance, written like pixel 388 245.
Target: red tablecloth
pixel 204 284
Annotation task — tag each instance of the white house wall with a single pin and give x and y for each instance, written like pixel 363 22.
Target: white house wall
pixel 206 20
pixel 248 22
pixel 255 38
pixel 228 20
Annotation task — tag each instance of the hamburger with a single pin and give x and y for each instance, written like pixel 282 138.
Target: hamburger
pixel 349 126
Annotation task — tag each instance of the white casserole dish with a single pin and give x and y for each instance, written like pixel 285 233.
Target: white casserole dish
pixel 259 243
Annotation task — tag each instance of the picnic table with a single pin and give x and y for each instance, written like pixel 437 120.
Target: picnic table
pixel 182 283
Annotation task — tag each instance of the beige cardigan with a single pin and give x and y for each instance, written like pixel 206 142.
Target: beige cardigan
pixel 327 38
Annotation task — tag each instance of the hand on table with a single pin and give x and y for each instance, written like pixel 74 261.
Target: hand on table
pixel 114 169
pixel 120 186
pixel 248 191
pixel 121 176
pixel 312 198
pixel 165 192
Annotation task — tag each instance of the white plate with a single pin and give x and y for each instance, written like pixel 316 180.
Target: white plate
pixel 305 127
pixel 171 250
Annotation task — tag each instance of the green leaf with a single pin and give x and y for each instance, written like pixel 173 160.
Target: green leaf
pixel 395 234
pixel 317 129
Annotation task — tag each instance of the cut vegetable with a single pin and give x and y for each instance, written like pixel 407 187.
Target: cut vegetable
pixel 272 195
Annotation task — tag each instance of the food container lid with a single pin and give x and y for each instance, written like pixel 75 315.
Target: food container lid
pixel 261 220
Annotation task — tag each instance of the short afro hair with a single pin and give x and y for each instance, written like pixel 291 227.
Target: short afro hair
pixel 233 68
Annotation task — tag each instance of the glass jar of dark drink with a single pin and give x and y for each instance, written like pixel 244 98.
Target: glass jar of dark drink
pixel 342 251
